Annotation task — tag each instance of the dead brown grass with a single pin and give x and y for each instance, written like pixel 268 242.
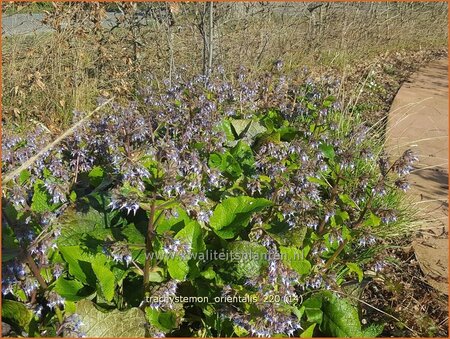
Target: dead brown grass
pixel 48 75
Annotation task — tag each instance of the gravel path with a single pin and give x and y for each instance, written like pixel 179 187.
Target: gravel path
pixel 419 120
pixel 24 24
pixel 19 24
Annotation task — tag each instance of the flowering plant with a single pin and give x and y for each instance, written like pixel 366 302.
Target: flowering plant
pixel 115 222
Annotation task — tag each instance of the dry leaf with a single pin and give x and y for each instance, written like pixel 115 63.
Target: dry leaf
pixel 40 84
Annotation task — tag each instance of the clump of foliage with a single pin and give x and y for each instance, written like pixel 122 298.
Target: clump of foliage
pixel 101 234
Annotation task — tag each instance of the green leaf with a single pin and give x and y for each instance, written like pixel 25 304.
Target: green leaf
pixel 156 277
pixel 215 160
pixel 79 263
pixel 345 198
pixel 240 331
pixel 192 234
pixel 243 155
pixel 16 312
pixel 286 235
pixel 164 321
pixel 75 226
pixel 226 127
pixel 328 102
pixel 209 274
pixel 69 307
pixel 132 234
pixel 112 324
pixel 327 151
pixel 373 331
pixel 355 268
pixel 178 268
pixel 254 130
pixel 287 133
pixel 294 258
pixel 339 218
pixel 233 214
pixel 73 196
pixel 234 162
pixel 96 176
pixel 296 236
pixel 308 333
pixel 24 176
pixel 372 220
pixel 321 182
pixel 173 224
pixel 40 202
pixel 340 318
pixel 10 246
pixel 69 289
pixel 105 279
pixel 10 253
pixel 247 258
pixel 168 320
pixel 232 166
pixel 346 233
pixel 240 125
pixel 313 309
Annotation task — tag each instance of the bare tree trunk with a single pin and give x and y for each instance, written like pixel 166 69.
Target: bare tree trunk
pixel 171 61
pixel 211 32
pixel 202 28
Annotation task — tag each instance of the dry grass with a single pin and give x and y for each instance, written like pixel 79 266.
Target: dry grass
pixel 47 76
pixel 403 292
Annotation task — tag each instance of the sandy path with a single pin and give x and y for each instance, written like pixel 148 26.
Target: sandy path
pixel 419 120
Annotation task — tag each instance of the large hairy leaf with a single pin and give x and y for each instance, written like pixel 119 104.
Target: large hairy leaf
pixel 248 258
pixel 175 223
pixel 226 163
pixel 113 324
pixel 243 154
pixel 294 258
pixel 240 126
pixel 10 247
pixel 16 312
pixel 340 318
pixel 313 309
pixel 178 266
pixel 192 234
pixel 40 202
pixel 164 320
pixel 309 332
pixel 233 215
pixel 105 278
pixel 79 263
pixel 69 289
pixel 77 225
pixel 247 127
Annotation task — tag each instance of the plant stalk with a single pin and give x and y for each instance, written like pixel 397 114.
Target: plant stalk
pixel 334 190
pixel 149 245
pixel 35 270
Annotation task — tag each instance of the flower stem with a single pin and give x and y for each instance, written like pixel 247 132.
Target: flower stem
pixel 35 270
pixel 148 244
pixel 334 191
pixel 357 224
pixel 335 254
